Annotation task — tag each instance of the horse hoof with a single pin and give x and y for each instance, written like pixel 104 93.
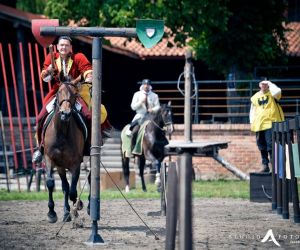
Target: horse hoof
pixel 145 190
pixel 52 217
pixel 127 189
pixel 79 205
pixel 67 217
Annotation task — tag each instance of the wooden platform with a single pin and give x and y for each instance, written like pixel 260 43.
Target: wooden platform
pixel 197 148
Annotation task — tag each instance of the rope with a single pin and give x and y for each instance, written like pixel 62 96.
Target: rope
pixel 76 206
pixel 78 199
pixel 194 81
pixel 155 235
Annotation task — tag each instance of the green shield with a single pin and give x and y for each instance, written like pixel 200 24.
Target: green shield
pixel 149 31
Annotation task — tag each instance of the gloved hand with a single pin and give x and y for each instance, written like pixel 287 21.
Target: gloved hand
pixel 89 78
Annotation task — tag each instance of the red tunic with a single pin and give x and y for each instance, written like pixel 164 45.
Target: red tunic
pixel 77 64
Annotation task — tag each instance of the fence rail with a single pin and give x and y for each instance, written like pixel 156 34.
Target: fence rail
pixel 225 101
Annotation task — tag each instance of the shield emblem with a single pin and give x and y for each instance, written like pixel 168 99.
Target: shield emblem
pixel 149 31
pixel 36 24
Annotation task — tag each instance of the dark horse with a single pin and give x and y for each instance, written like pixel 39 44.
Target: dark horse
pixel 64 147
pixel 153 142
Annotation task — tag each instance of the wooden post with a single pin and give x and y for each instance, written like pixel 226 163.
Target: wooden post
pixel 172 210
pixel 185 167
pixel 96 140
pixel 187 97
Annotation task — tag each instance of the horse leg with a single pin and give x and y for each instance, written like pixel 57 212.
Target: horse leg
pixel 157 175
pixel 66 190
pixel 52 217
pixel 126 172
pixel 141 162
pixel 73 190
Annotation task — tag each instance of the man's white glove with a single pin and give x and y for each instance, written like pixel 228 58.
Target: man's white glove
pixel 89 78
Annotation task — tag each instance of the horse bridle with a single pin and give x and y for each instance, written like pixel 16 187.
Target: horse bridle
pixel 166 123
pixel 68 84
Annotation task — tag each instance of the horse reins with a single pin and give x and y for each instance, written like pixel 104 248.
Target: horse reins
pixel 68 84
pixel 165 124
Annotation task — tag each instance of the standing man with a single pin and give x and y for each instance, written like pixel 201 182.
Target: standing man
pixel 265 110
pixel 144 102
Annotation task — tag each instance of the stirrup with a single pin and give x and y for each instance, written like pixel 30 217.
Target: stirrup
pixel 37 157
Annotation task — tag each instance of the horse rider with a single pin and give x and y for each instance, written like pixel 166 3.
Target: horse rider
pixel 77 68
pixel 144 102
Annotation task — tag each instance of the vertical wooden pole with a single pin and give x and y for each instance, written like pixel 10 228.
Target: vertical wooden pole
pixel 185 202
pixel 185 169
pixel 96 140
pixel 187 97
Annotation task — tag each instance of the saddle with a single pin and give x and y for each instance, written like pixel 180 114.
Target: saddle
pixel 137 139
pixel 79 118
pixel 132 145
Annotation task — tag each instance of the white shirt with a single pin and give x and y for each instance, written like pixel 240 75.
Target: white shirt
pixel 138 104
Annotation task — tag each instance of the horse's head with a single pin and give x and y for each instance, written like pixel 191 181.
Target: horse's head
pixel 66 98
pixel 167 117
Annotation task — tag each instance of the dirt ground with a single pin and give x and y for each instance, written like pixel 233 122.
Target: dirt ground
pixel 217 224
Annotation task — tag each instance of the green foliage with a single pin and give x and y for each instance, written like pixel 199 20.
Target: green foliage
pixel 225 34
pixel 34 6
pixel 81 12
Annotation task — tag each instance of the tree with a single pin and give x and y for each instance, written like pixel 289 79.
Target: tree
pixel 80 12
pixel 225 34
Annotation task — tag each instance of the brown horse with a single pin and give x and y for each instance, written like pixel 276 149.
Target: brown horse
pixel 64 147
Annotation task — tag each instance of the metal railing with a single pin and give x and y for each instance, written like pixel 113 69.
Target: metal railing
pixel 224 101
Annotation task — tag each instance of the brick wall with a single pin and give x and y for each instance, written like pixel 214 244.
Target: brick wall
pixel 242 151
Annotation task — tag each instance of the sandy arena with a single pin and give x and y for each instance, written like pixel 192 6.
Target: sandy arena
pixel 217 223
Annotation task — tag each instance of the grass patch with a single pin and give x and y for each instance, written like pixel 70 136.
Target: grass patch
pixel 201 189
pixel 221 189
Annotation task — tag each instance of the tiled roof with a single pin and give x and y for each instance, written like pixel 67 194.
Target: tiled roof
pixel 293 37
pixel 134 48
